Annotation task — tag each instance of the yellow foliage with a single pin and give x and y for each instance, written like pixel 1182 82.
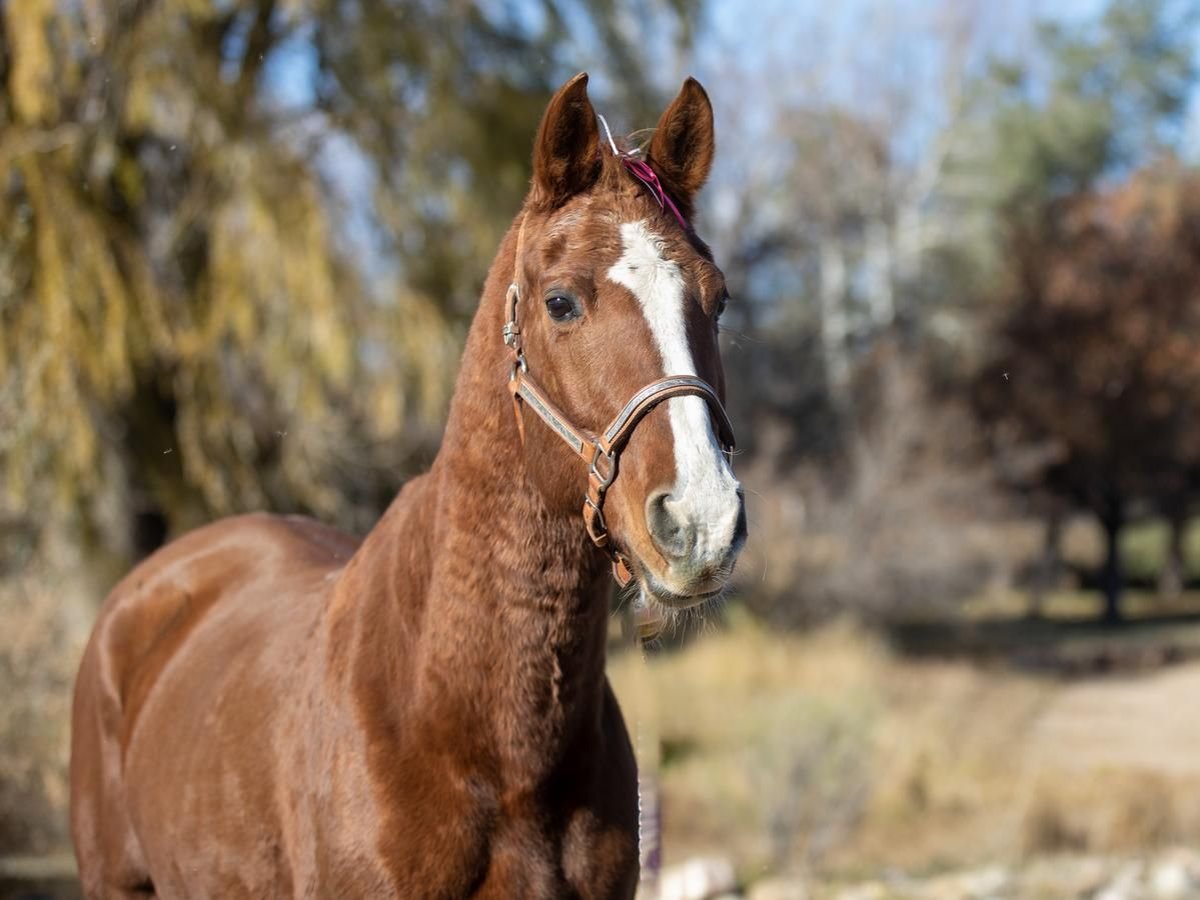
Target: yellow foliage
pixel 31 83
pixel 170 248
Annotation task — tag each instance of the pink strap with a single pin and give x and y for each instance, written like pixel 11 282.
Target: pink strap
pixel 643 173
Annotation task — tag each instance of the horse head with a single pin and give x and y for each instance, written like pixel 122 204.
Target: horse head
pixel 612 321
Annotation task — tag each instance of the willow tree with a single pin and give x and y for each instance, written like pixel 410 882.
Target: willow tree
pixel 238 243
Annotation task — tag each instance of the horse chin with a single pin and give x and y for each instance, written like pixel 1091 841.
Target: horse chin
pixel 681 601
pixel 655 593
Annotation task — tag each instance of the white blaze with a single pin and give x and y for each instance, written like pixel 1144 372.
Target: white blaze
pixel 705 488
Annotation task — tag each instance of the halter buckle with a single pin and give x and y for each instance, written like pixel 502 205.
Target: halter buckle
pixel 511 331
pixel 594 523
pixel 599 479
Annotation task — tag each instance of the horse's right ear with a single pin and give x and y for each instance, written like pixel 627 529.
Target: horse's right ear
pixel 566 157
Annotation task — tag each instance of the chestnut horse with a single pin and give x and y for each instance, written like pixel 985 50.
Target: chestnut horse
pixel 269 708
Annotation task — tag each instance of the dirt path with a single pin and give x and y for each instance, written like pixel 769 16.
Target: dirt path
pixel 1144 721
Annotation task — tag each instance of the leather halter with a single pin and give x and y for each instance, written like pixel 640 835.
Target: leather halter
pixel 600 452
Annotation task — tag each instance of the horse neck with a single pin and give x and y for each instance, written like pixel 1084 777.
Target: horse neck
pixel 503 600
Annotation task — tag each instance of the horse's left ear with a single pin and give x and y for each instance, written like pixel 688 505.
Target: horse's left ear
pixel 682 149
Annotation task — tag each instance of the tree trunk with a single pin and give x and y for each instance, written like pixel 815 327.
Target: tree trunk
pixel 1046 574
pixel 1173 575
pixel 879 275
pixel 834 321
pixel 1113 577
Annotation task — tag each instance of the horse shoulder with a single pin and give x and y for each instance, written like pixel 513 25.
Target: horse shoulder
pixel 152 612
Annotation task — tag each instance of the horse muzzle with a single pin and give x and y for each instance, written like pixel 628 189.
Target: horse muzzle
pixel 698 534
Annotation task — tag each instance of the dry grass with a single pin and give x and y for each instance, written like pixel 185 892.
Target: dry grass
pixel 1111 811
pixel 825 753
pixel 766 740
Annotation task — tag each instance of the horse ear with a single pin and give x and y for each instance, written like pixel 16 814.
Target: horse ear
pixel 566 157
pixel 683 145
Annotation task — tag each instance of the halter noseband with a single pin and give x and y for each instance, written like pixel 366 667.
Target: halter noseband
pixel 600 452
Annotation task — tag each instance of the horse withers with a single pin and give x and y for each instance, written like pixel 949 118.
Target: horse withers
pixel 270 708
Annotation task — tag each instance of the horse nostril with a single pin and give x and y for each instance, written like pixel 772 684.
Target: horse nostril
pixel 669 535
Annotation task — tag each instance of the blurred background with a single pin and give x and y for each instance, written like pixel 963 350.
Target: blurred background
pixel 240 244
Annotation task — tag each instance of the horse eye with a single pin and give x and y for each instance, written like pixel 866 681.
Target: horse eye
pixel 721 306
pixel 560 308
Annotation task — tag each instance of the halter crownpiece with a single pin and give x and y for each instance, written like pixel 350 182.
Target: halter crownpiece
pixel 600 452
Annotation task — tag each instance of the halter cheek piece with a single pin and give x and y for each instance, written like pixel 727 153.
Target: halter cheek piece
pixel 600 452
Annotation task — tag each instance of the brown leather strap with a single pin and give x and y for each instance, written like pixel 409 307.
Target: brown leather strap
pixel 525 389
pixel 600 453
pixel 619 430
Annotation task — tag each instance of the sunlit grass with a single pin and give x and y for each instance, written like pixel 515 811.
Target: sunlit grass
pixel 1143 546
pixel 1077 605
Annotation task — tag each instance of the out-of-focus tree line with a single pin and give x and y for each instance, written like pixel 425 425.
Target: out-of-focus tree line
pixel 994 319
pixel 239 243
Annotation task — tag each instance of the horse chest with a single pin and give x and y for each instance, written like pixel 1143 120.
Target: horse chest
pixel 466 835
pixel 586 858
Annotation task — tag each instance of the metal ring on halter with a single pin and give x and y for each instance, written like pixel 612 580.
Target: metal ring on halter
pixel 602 481
pixel 512 331
pixel 599 534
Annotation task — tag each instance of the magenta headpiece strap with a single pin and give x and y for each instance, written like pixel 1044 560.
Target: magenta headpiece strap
pixel 641 170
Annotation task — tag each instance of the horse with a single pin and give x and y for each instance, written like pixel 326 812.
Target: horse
pixel 270 708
